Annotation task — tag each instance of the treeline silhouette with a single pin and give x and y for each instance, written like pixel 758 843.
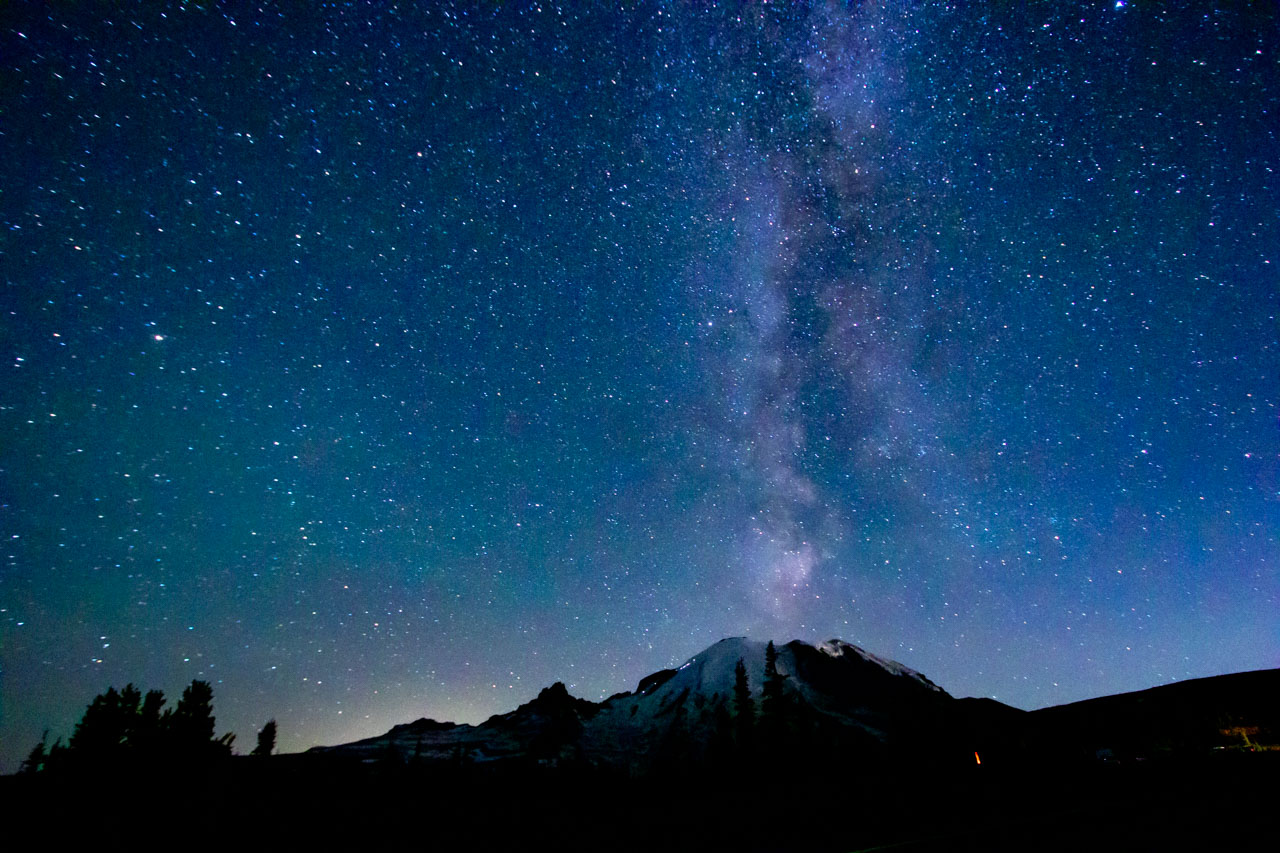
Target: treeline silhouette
pixel 124 731
pixel 768 776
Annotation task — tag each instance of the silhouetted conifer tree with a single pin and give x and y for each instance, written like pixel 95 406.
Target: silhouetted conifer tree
pixel 720 746
pixel 150 727
pixel 266 740
pixel 35 759
pixel 771 693
pixel 743 707
pixel 192 721
pixel 107 725
pixel 124 729
pixel 772 710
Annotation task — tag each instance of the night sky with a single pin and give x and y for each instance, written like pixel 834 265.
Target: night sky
pixel 375 362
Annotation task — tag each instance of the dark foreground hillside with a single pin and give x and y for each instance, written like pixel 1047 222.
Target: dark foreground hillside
pixel 1216 802
pixel 746 747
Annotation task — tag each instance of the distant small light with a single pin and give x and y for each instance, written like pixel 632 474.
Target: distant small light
pixel 157 337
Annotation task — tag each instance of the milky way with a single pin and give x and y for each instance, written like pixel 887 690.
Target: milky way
pixel 389 361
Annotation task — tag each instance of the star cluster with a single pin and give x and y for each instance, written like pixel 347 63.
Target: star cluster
pixel 375 361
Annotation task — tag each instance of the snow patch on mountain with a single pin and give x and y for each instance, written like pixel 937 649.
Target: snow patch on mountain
pixel 834 681
pixel 839 649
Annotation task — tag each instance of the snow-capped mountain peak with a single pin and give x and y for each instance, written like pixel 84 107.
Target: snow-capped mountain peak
pixel 829 687
pixel 839 649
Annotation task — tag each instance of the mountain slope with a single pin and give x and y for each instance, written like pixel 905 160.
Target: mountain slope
pixel 841 704
pixel 835 693
pixel 1239 710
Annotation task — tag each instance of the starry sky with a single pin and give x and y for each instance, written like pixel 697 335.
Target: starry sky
pixel 378 361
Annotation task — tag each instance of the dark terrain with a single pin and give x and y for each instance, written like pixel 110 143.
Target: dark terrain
pixel 863 754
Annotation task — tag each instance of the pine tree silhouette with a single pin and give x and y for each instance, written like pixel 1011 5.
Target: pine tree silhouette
pixel 35 760
pixel 122 729
pixel 744 708
pixel 772 704
pixel 266 740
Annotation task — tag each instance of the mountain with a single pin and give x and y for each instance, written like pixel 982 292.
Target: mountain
pixel 838 699
pixel 834 689
pixel 538 729
pixel 1224 712
pixel 841 706
pixel 864 753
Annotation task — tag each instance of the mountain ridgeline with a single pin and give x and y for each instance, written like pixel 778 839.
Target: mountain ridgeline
pixel 745 747
pixel 834 698
pixel 817 708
